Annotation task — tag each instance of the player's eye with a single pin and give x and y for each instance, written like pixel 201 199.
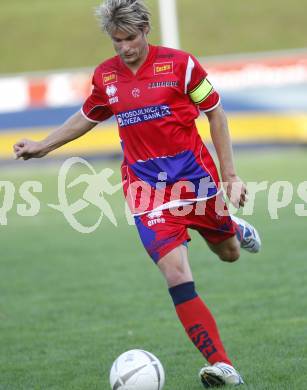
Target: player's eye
pixel 131 38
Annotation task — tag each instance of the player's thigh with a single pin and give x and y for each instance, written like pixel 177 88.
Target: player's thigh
pixel 161 232
pixel 175 266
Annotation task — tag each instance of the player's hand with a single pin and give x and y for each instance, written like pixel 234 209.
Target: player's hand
pixel 236 190
pixel 27 149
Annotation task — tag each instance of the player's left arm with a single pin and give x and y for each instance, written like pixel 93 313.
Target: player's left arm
pixel 204 96
pixel 235 188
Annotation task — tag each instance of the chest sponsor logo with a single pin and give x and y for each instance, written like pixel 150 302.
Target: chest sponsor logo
pixel 109 78
pixel 139 115
pixel 111 91
pixel 163 84
pixel 136 93
pixel 169 55
pixel 163 68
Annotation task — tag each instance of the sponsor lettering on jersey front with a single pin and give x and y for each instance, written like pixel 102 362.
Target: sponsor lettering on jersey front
pixel 163 84
pixel 109 78
pixel 163 68
pixel 111 91
pixel 167 55
pixel 139 115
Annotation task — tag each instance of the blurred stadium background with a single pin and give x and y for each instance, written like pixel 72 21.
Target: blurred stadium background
pixel 65 313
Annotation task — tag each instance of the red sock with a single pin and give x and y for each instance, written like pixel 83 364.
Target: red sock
pixel 199 323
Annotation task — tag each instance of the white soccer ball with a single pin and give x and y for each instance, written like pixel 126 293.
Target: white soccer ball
pixel 137 370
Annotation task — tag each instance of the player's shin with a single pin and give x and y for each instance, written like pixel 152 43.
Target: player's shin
pixel 198 322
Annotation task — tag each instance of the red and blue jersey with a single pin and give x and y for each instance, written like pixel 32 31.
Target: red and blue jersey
pixel 165 159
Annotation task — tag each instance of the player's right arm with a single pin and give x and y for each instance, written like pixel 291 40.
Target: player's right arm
pixel 76 126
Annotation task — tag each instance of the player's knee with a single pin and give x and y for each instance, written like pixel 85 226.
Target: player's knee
pixel 176 275
pixel 230 254
pixel 175 267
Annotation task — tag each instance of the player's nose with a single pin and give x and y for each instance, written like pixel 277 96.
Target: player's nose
pixel 126 48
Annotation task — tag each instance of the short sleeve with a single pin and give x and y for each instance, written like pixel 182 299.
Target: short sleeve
pixel 95 108
pixel 198 87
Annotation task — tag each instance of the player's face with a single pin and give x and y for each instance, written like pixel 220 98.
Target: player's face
pixel 131 47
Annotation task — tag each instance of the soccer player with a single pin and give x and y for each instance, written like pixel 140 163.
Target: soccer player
pixel 169 178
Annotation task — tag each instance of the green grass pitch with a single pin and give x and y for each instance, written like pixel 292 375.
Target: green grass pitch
pixel 70 302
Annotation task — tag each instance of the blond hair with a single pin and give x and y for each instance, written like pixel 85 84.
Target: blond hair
pixel 124 15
